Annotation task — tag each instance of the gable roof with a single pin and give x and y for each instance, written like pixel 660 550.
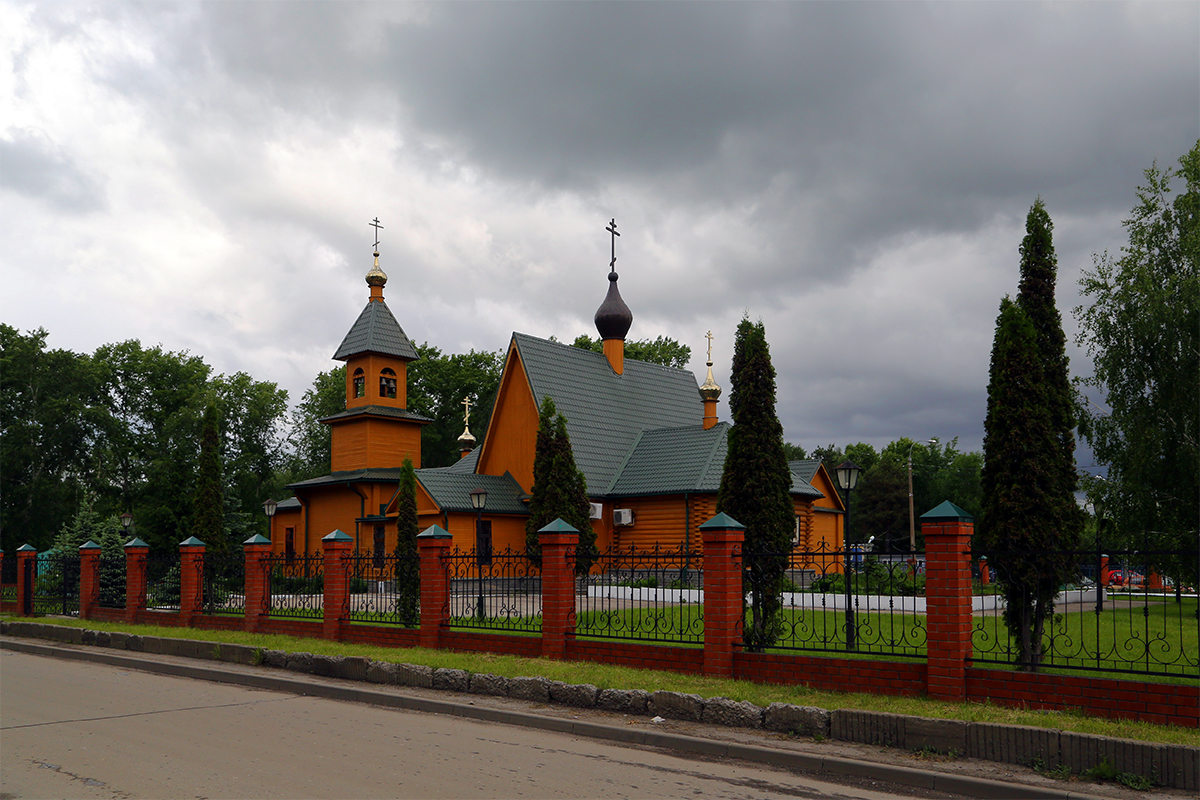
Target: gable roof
pixel 452 490
pixel 606 412
pixel 466 463
pixel 672 461
pixel 376 331
pixel 806 469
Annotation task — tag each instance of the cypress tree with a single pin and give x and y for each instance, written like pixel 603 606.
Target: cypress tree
pixel 408 568
pixel 559 488
pixel 756 483
pixel 208 522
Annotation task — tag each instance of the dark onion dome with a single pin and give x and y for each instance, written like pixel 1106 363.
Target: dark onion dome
pixel 613 317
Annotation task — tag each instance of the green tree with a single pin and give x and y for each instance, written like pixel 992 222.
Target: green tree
pixel 664 350
pixel 559 489
pixel 881 506
pixel 253 414
pixel 408 571
pixel 437 384
pixel 310 439
pixel 756 482
pixel 1142 328
pixel 1017 481
pixel 89 526
pixel 208 523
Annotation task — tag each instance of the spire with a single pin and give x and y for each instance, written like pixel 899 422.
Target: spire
pixel 614 318
pixel 376 278
pixel 710 392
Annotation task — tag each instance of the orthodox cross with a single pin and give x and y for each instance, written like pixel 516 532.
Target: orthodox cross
pixel 709 336
pixel 612 228
pixel 375 224
pixel 466 410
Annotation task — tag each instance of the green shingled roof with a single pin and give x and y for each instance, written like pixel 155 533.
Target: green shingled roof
pixel 673 460
pixel 376 331
pixel 607 412
pixel 466 463
pixel 805 469
pixel 377 411
pixel 452 490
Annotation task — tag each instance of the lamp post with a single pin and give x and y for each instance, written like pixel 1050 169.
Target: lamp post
pixel 269 507
pixel 912 520
pixel 483 544
pixel 126 522
pixel 847 477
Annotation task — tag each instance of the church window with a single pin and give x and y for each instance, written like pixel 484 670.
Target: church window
pixel 387 384
pixel 360 383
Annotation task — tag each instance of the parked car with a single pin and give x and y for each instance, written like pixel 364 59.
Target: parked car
pixel 1126 577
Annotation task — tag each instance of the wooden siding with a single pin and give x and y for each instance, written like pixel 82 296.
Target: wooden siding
pixel 374 443
pixel 512 431
pixel 372 365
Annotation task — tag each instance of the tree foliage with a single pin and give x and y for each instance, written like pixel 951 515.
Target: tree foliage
pixel 437 384
pixel 663 350
pixel 1142 328
pixel 208 524
pixel 311 440
pixel 559 488
pixel 756 482
pixel 408 573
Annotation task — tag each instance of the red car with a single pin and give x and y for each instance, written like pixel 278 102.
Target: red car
pixel 1125 577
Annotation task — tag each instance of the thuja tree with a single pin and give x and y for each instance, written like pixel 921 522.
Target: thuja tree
pixel 408 571
pixel 559 489
pixel 756 482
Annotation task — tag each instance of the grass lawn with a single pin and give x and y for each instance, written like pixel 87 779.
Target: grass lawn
pixel 616 677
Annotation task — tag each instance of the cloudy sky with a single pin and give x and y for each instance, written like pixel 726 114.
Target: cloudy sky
pixel 202 176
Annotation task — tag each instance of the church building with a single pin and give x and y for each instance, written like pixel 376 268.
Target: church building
pixel 645 436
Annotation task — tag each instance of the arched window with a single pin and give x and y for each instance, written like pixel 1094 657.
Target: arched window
pixel 387 383
pixel 360 383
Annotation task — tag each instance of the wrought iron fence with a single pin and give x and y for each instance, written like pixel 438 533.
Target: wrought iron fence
pixel 834 601
pixel 495 590
pixel 222 581
pixel 56 587
pixel 8 579
pixel 110 573
pixel 162 581
pixel 653 595
pixel 1050 610
pixel 384 588
pixel 297 585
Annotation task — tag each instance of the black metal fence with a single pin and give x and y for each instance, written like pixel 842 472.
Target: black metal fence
pixel 297 585
pixel 834 601
pixel 497 590
pixel 8 579
pixel 56 587
pixel 222 582
pixel 162 581
pixel 384 588
pixel 650 595
pixel 1048 611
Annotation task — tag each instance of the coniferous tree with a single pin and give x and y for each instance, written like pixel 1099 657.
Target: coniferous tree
pixel 408 572
pixel 208 524
pixel 559 488
pixel 756 483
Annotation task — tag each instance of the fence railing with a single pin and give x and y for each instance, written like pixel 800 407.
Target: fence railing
pixel 297 585
pixel 162 582
pixel 222 582
pixel 834 601
pixel 653 595
pixel 1053 610
pixel 383 588
pixel 502 591
pixel 56 587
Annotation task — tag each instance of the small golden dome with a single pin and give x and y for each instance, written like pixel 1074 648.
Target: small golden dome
pixel 709 390
pixel 376 277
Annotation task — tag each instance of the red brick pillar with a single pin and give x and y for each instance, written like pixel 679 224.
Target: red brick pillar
pixel 433 544
pixel 558 541
pixel 256 549
pixel 191 577
pixel 26 577
pixel 723 595
pixel 335 548
pixel 89 578
pixel 1104 575
pixel 136 552
pixel 948 624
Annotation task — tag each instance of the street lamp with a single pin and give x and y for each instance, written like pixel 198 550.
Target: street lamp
pixel 269 507
pixel 126 521
pixel 847 478
pixel 483 544
pixel 912 520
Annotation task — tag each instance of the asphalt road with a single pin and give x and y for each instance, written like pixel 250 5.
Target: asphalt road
pixel 70 729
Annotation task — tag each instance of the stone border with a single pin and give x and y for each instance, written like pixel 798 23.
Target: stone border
pixel 1175 766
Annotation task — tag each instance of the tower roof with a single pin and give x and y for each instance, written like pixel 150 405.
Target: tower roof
pixel 376 331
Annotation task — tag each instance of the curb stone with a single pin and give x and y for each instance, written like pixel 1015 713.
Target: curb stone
pixel 580 695
pixel 731 713
pixel 804 720
pixel 483 683
pixel 624 701
pixel 676 705
pixel 536 688
pixel 455 680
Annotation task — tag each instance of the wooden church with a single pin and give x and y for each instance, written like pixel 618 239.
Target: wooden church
pixel 646 438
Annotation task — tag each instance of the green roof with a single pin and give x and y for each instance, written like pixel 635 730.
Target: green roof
pixel 672 461
pixel 805 469
pixel 607 412
pixel 947 511
pixel 376 331
pixel 466 463
pixel 452 490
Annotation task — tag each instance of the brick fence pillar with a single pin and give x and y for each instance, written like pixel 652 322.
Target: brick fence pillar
pixel 948 624
pixel 136 553
pixel 256 550
pixel 335 548
pixel 723 595
pixel 89 578
pixel 26 576
pixel 191 578
pixel 558 541
pixel 433 544
pixel 1104 572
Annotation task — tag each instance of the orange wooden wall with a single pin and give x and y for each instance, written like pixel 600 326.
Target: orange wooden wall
pixel 372 365
pixel 512 431
pixel 374 442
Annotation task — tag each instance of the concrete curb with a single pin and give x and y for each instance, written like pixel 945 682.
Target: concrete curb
pixel 904 776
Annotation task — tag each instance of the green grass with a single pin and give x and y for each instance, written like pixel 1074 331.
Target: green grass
pixel 617 677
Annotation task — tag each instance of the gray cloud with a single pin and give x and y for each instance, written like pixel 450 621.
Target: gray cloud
pixel 32 165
